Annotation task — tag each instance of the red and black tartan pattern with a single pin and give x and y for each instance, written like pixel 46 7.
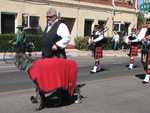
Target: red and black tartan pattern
pixel 98 52
pixel 148 62
pixel 134 50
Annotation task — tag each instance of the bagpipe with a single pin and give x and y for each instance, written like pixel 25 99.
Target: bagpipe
pixel 91 43
pixel 132 37
pixel 130 40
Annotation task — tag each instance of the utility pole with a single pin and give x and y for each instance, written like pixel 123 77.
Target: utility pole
pixel 113 13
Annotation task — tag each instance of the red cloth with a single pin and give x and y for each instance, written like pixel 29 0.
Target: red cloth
pixel 53 73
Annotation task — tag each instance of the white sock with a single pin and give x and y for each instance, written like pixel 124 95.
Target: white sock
pixel 147 77
pixel 131 66
pixel 94 69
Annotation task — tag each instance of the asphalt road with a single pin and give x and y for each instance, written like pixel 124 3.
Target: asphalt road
pixel 12 79
pixel 115 90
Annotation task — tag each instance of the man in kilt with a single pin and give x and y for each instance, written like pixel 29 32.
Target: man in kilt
pixel 133 41
pixel 95 43
pixel 145 34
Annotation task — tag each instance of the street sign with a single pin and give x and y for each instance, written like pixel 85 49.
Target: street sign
pixel 145 7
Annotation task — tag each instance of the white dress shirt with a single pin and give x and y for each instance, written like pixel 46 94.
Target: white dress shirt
pixel 63 32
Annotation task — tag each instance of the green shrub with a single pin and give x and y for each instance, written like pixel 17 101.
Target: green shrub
pixel 5 38
pixel 36 39
pixel 81 43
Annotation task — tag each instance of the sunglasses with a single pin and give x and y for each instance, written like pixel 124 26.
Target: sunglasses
pixel 50 16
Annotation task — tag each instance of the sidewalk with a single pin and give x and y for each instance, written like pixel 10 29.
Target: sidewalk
pixel 77 53
pixel 118 53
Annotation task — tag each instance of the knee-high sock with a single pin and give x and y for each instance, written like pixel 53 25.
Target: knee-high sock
pixel 131 60
pixel 97 62
pixel 147 78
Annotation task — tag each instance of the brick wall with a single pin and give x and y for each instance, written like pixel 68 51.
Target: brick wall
pixel 106 2
pixel 125 4
pixel 109 2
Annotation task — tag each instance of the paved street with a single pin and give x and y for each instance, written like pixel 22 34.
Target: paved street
pixel 121 94
pixel 115 90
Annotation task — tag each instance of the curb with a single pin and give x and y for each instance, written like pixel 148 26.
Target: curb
pixel 119 53
pixel 78 53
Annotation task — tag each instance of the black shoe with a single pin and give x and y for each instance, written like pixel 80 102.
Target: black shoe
pixel 130 68
pixel 144 82
pixel 33 99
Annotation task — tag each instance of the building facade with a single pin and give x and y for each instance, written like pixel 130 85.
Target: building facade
pixel 145 9
pixel 79 15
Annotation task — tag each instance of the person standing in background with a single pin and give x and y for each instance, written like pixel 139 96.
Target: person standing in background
pixel 56 36
pixel 20 46
pixel 20 40
pixel 115 41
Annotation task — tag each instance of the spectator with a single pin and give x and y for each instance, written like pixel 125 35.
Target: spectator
pixel 115 41
pixel 20 46
pixel 20 40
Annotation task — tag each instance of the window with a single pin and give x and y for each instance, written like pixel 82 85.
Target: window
pixel 148 21
pixel 7 23
pixel 87 27
pixel 69 22
pixel 30 21
pixel 130 2
pixel 102 23
pixel 116 27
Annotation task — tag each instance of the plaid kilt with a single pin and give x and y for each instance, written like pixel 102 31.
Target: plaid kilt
pixel 98 52
pixel 148 62
pixel 134 51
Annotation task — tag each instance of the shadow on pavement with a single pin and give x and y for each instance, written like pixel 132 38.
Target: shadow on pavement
pixel 61 98
pixel 140 76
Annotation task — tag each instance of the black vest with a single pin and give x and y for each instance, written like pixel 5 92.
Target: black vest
pixel 99 43
pixel 133 38
pixel 49 39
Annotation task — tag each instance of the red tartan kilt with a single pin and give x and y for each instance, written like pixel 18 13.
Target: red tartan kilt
pixel 148 62
pixel 134 50
pixel 98 52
